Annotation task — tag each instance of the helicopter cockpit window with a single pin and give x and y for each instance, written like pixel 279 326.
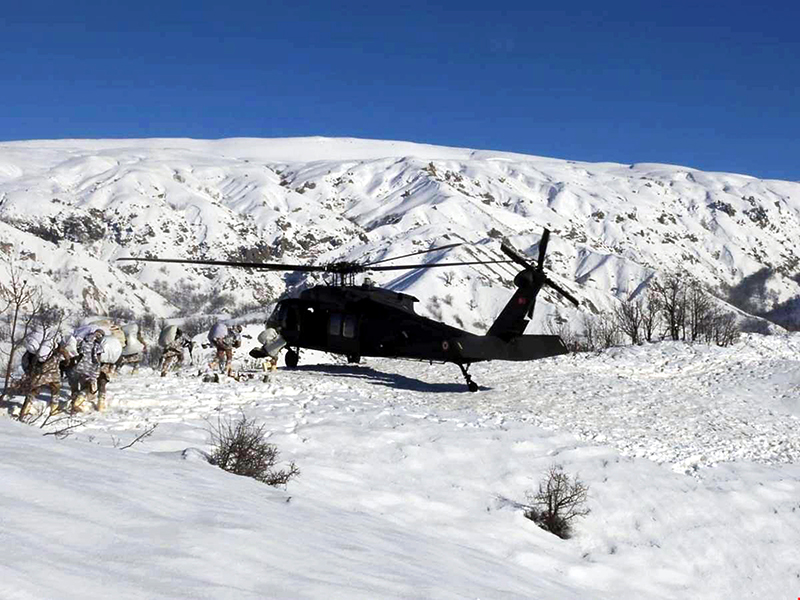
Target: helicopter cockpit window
pixel 349 327
pixel 335 324
pixel 277 319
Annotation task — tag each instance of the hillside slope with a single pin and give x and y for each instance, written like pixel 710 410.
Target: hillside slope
pixel 409 484
pixel 70 207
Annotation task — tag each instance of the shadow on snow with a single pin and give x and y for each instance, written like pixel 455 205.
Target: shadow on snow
pixel 393 380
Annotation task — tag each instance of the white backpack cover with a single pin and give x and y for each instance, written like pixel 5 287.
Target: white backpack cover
pixel 42 344
pixel 84 330
pixel 71 345
pixel 266 336
pixel 219 330
pixel 112 350
pixel 167 335
pixel 132 343
pixel 275 346
pixel 34 340
pixel 271 341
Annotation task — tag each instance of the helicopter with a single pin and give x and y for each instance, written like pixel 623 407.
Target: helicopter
pixel 367 321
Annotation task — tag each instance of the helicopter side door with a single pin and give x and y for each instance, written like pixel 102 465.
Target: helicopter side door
pixel 343 330
pixel 296 322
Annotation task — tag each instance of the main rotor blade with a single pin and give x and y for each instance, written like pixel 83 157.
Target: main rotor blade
pixel 515 256
pixel 226 263
pixel 377 262
pixel 435 265
pixel 562 291
pixel 543 248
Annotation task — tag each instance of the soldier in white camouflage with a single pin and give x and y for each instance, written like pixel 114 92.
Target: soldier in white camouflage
pixel 134 358
pixel 225 346
pixel 173 352
pixel 107 372
pixel 84 375
pixel 40 374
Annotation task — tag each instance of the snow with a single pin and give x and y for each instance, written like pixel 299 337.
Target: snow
pixel 319 200
pixel 410 485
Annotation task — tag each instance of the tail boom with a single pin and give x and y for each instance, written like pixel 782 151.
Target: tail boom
pixel 525 347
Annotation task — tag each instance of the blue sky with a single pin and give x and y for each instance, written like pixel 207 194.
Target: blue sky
pixel 711 85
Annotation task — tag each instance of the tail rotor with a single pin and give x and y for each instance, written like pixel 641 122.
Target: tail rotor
pixel 535 277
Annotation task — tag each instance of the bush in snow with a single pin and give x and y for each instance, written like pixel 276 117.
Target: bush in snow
pixel 558 325
pixel 559 500
pixel 24 311
pixel 241 447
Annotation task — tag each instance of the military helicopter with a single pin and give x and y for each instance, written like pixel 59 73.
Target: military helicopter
pixel 364 320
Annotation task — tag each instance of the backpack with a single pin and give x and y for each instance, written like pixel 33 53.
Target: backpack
pixel 219 330
pixel 132 343
pixel 42 344
pixel 112 350
pixel 167 335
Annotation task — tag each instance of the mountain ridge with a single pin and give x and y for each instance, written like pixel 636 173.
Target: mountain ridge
pixel 76 205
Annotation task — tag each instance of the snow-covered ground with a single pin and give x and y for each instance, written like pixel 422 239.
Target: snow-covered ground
pixel 409 484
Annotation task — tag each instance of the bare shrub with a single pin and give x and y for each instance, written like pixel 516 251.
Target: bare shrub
pixel 148 431
pixel 690 312
pixel 148 324
pixel 151 356
pixel 241 447
pixel 16 296
pixel 559 500
pixel 651 314
pixel 608 332
pixel 26 311
pixel 197 324
pixel 725 329
pixel 670 292
pixel 559 325
pixel 629 315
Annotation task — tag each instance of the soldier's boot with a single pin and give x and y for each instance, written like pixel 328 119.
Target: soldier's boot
pixel 55 402
pixel 77 404
pixel 101 403
pixel 273 365
pixel 26 408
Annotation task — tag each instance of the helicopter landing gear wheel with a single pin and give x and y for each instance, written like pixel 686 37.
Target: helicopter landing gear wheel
pixel 353 358
pixel 292 358
pixel 471 385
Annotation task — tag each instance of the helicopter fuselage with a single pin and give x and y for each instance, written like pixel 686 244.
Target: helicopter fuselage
pixel 358 321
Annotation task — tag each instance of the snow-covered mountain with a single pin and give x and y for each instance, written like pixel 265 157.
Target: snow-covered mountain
pixel 70 207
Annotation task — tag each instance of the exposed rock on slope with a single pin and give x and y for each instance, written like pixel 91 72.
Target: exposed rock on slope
pixel 72 207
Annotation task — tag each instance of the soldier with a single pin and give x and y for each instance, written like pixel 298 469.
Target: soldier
pixel 83 376
pixel 107 371
pixel 271 345
pixel 135 346
pixel 173 351
pixel 225 345
pixel 40 374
